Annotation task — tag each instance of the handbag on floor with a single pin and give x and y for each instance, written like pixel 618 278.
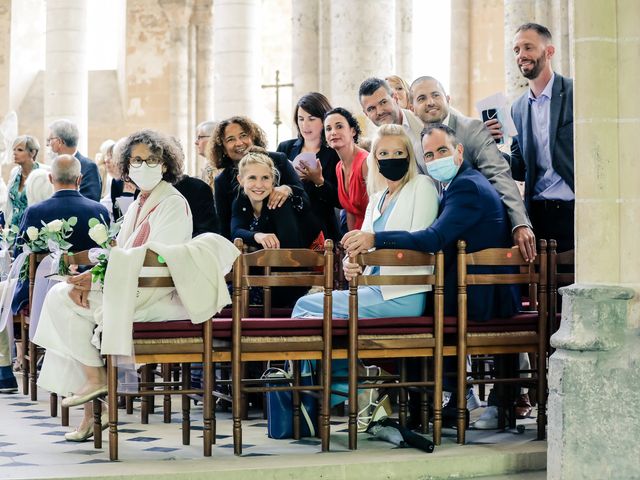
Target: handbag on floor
pixel 280 403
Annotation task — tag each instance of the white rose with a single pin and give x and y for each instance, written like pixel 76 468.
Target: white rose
pixel 98 233
pixel 54 225
pixel 32 233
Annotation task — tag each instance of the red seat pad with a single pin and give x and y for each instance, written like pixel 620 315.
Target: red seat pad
pixel 522 322
pixel 284 327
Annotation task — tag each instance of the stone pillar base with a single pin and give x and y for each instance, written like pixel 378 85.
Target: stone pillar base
pixel 594 387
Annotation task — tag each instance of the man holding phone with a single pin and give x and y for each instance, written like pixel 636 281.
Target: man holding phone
pixel 431 104
pixel 542 152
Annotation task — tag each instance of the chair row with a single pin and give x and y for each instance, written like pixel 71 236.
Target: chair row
pixel 242 339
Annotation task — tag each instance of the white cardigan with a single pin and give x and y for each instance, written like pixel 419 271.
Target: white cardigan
pixel 416 207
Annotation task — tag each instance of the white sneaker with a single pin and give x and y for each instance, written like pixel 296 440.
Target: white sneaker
pixel 473 400
pixel 488 420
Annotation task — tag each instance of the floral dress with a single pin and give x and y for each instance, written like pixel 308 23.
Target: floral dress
pixel 18 198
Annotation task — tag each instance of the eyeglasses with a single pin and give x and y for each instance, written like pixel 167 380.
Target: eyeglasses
pixel 152 161
pixel 51 139
pixel 200 137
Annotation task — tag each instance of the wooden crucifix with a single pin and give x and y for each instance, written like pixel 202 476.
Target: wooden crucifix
pixel 277 86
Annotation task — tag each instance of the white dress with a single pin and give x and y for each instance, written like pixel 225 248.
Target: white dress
pixel 65 329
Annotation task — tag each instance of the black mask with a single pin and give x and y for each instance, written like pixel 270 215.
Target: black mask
pixel 393 168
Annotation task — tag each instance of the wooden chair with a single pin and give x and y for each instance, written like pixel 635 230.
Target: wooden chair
pixel 526 332
pixel 173 345
pixel 561 273
pixel 398 337
pixel 261 339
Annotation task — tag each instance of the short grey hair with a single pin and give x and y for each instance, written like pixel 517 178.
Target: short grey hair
pixel 65 130
pixel 65 169
pixel 207 127
pixel 29 142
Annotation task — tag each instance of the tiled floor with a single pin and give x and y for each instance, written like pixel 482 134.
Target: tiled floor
pixel 32 444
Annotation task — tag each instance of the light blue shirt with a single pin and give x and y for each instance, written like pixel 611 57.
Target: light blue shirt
pixel 549 185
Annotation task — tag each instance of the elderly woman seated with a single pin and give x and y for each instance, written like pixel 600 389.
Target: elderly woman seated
pixel 72 366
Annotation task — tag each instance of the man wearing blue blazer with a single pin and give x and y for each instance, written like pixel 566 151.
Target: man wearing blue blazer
pixel 63 139
pixel 470 210
pixel 542 152
pixel 65 203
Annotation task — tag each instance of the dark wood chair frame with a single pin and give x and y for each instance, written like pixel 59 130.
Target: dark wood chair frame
pixel 398 346
pixel 166 351
pixel 533 274
pixel 285 348
pixel 558 279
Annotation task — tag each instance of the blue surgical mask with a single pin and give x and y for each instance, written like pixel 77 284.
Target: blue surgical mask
pixel 443 169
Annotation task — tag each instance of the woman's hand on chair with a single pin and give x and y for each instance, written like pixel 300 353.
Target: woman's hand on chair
pixel 351 270
pixel 267 240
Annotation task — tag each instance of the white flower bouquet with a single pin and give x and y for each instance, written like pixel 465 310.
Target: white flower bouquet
pixel 104 236
pixel 51 236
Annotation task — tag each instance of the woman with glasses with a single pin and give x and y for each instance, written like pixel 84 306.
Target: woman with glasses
pixel 231 140
pixel 73 366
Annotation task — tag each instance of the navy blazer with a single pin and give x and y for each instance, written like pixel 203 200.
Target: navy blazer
pixel 200 199
pixel 91 183
pixel 227 188
pixel 523 149
pixel 324 199
pixel 470 210
pixel 64 204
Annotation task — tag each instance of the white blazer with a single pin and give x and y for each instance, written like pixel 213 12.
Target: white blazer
pixel 416 207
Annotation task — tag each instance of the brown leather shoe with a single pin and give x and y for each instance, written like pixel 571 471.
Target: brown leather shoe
pixel 523 406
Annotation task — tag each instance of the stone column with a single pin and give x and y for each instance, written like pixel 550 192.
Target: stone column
pixel 516 12
pixel 324 39
pixel 594 374
pixel 460 54
pixel 202 20
pixel 305 60
pixel 5 55
pixel 66 76
pixel 559 26
pixel 404 40
pixel 178 13
pixel 358 53
pixel 236 46
pixel 204 70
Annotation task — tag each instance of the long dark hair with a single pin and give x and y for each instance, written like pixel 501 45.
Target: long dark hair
pixel 315 104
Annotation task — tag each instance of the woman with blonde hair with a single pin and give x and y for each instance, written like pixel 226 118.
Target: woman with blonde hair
pixel 401 91
pixel 407 201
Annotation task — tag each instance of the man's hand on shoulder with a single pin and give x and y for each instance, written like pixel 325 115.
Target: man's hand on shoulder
pixel 525 240
pixel 357 241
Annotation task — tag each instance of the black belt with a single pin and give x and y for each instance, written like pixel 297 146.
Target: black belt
pixel 555 204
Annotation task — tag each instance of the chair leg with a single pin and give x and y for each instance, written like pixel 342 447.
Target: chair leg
pixel 542 397
pixel 213 401
pixel 424 402
pixel 64 416
pixel 112 398
pixel 166 403
pixel 208 433
pixel 144 399
pixel 97 423
pixel 128 404
pixel 402 394
pixel 33 371
pixel 26 359
pixel 186 404
pixel 295 395
pixel 236 407
pixel 53 404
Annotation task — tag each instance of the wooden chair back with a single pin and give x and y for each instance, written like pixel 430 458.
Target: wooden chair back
pixel 561 273
pixel 535 276
pixel 392 347
pixel 261 268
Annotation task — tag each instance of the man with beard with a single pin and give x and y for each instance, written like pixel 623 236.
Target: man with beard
pixel 542 152
pixel 431 104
